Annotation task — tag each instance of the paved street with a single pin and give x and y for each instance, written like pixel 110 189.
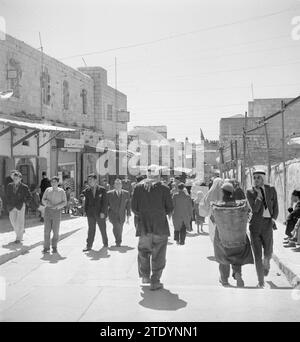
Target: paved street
pixel 104 286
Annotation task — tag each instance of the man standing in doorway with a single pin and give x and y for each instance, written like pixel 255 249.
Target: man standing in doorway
pixel 96 211
pixel 263 201
pixel 151 203
pixel 45 183
pixel 54 199
pixel 17 196
pixel 118 209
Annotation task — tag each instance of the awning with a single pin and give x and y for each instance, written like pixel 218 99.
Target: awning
pixel 34 125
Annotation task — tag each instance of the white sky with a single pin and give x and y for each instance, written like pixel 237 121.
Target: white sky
pixel 187 82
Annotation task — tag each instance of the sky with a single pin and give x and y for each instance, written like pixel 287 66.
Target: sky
pixel 181 63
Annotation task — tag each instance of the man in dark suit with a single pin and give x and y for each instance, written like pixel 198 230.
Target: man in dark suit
pixel 151 203
pixel 263 202
pixel 96 211
pixel 17 195
pixel 118 209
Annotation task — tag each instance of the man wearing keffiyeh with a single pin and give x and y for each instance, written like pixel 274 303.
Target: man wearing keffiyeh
pixel 151 203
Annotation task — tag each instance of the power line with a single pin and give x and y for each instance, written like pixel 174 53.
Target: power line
pixel 229 70
pixel 174 36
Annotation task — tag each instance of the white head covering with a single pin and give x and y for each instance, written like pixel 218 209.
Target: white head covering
pixel 214 194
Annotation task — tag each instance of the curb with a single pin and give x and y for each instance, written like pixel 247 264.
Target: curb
pixel 292 277
pixel 25 249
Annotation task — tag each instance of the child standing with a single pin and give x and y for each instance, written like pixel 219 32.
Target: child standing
pixel 198 214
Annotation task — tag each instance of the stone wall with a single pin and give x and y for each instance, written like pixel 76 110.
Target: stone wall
pixel 21 69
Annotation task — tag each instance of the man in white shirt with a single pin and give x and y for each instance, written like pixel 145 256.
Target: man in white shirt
pixel 263 202
pixel 54 199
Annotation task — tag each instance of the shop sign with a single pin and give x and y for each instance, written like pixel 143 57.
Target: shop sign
pixel 74 143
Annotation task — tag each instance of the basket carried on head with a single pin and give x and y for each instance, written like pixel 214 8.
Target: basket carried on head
pixel 231 222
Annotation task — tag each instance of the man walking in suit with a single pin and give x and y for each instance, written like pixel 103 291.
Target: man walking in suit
pixel 118 207
pixel 96 211
pixel 17 196
pixel 263 202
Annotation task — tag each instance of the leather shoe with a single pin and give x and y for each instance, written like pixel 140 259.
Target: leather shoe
pixel 86 249
pixel 224 283
pixel 260 285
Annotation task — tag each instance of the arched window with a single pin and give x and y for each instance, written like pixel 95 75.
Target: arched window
pixel 84 101
pixel 66 95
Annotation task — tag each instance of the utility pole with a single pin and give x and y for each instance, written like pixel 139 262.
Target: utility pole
pixel 283 155
pixel 42 72
pixel 236 160
pixel 41 90
pixel 244 152
pixel 252 91
pixel 268 151
pixel 116 116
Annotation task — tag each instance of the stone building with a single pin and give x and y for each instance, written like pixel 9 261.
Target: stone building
pixel 49 92
pixel 231 129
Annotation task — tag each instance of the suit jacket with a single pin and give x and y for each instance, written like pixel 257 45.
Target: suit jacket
pixel 151 208
pixel 16 200
pixel 94 206
pixel 183 210
pixel 118 207
pixel 257 206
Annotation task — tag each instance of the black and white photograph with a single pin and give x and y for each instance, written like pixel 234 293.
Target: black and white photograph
pixel 149 164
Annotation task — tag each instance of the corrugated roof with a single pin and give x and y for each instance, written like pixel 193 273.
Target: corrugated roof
pixel 35 126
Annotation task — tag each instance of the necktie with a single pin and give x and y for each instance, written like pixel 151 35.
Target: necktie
pixel 264 198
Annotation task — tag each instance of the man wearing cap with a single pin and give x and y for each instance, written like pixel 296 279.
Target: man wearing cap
pixel 151 203
pixel 263 202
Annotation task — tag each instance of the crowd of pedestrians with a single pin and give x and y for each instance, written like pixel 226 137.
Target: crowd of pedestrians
pixel 155 203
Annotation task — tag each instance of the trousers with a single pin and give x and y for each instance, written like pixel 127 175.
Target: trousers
pixel 118 230
pixel 180 235
pixel 262 245
pixel 52 219
pixel 152 250
pixel 17 220
pixel 92 220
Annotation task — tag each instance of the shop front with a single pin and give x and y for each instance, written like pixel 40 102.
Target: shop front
pixel 68 164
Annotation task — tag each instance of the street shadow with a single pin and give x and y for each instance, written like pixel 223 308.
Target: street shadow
pixel 275 287
pixel 211 258
pixel 296 250
pixel 203 234
pixel 97 255
pixel 121 249
pixel 191 235
pixel 53 258
pixel 30 222
pixel 162 299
